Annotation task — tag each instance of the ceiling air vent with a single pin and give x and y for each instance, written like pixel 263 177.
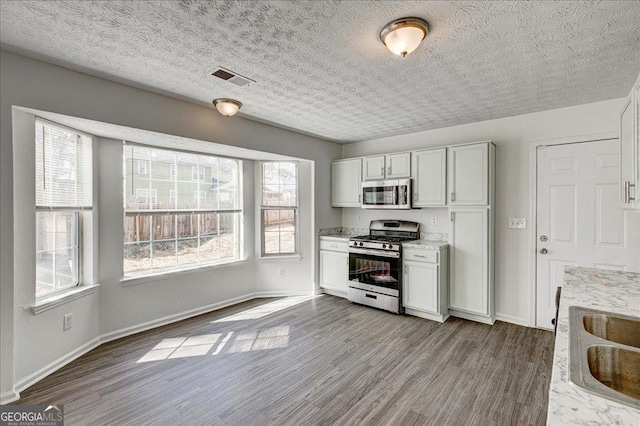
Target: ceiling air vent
pixel 232 77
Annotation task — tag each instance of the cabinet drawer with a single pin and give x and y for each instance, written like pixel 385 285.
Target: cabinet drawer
pixel 334 245
pixel 420 255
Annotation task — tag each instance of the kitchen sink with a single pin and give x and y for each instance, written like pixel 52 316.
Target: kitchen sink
pixel 616 368
pixel 613 328
pixel 604 354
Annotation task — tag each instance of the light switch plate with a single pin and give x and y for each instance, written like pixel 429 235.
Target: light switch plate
pixel 517 223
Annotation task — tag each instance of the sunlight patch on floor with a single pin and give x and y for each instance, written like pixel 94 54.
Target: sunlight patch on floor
pixel 266 309
pixel 194 346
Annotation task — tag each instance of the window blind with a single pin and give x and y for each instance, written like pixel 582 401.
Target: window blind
pixel 64 177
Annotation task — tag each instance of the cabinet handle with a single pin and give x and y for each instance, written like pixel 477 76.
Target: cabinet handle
pixel 418 255
pixel 415 196
pixel 625 192
pixel 452 216
pixel 359 198
pixel 629 186
pixel 389 170
pixel 453 196
pixel 382 170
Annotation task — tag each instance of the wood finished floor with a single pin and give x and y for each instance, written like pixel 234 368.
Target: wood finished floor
pixel 320 361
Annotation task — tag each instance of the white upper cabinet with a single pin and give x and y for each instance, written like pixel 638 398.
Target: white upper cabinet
pixel 630 150
pixel 373 168
pixel 398 165
pixel 346 177
pixel 390 166
pixel 429 172
pixel 469 175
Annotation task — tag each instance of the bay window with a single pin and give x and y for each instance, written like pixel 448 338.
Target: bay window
pixel 183 220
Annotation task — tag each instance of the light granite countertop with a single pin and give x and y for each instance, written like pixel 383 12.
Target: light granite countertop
pixel 611 291
pixel 339 237
pixel 426 244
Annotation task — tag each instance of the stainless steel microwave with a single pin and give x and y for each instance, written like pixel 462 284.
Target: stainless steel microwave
pixel 387 194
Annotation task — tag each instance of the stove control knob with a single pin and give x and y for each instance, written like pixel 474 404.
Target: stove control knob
pixel 361 244
pixel 384 246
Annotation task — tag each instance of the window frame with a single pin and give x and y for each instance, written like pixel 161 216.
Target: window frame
pixel 196 213
pixel 84 234
pixel 262 208
pixel 77 268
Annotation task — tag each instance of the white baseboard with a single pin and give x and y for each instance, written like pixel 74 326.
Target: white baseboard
pixel 338 293
pixel 9 397
pixel 513 320
pixel 472 317
pixel 25 382
pixel 426 315
pixel 262 294
pixel 118 334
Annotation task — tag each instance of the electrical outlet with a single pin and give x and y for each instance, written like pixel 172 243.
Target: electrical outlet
pixel 516 223
pixel 280 272
pixel 66 322
pixel 359 218
pixel 434 220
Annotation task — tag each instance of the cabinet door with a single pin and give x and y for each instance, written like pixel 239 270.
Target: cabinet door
pixel 345 182
pixel 469 175
pixel 399 165
pixel 627 156
pixel 636 193
pixel 373 168
pixel 420 289
pixel 334 271
pixel 429 178
pixel 469 260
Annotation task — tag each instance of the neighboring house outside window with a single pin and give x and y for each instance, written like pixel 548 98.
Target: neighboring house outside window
pixel 142 167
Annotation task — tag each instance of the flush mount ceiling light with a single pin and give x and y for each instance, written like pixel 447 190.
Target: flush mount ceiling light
pixel 227 107
pixel 403 36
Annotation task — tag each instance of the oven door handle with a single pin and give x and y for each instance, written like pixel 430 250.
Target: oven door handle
pixel 378 253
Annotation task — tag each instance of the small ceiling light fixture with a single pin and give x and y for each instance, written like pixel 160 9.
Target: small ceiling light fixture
pixel 404 35
pixel 227 107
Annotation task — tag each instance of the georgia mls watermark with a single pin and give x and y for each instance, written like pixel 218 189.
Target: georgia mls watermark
pixel 31 415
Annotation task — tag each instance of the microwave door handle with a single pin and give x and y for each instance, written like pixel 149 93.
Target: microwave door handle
pixel 396 195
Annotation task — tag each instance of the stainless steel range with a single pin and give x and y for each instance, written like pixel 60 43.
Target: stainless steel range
pixel 375 264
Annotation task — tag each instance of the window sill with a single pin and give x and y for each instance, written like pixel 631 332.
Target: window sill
pixel 60 299
pixel 289 258
pixel 142 279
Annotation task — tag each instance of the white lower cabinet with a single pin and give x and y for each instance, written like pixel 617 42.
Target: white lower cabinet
pixel 334 267
pixel 471 286
pixel 425 285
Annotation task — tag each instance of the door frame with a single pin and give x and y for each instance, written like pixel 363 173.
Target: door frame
pixel 533 203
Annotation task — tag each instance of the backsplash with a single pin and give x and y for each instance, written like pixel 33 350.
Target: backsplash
pixel 431 236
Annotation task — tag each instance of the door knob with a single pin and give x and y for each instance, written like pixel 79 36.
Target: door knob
pixel 544 238
pixel 544 251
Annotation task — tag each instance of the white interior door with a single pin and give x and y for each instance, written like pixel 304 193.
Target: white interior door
pixel 579 221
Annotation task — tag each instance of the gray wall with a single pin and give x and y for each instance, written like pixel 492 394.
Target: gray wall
pixel 33 84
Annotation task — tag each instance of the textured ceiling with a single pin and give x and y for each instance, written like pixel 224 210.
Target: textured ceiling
pixel 321 69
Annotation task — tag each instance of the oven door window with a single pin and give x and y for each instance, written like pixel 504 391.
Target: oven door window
pixel 374 270
pixel 379 195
